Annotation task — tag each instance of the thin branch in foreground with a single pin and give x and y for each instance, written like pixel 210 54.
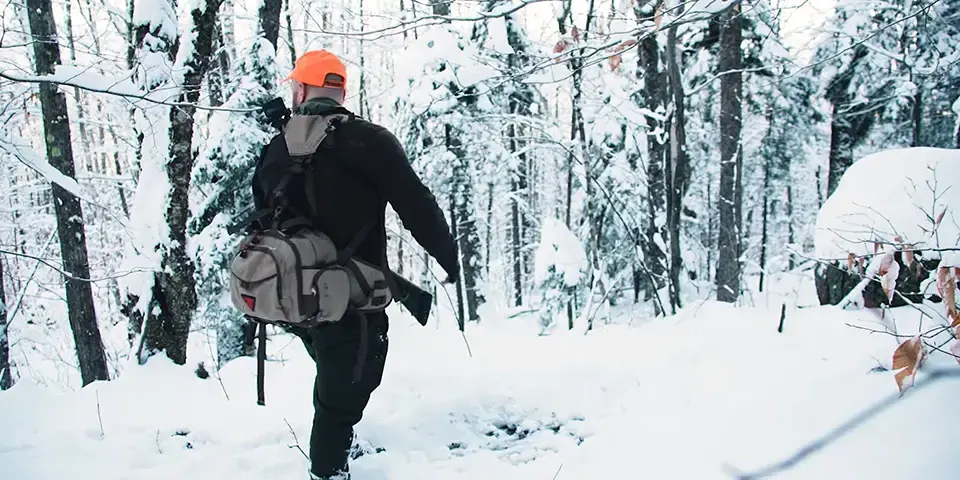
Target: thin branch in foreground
pixel 295 439
pixel 70 275
pixel 835 434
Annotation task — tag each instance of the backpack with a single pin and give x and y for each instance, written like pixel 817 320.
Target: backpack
pixel 287 272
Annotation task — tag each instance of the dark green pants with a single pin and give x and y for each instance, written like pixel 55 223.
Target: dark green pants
pixel 349 356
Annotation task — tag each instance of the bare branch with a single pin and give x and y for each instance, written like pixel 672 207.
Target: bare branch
pixel 843 429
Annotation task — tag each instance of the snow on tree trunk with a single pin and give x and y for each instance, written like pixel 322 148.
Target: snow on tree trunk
pixel 728 261
pixel 69 213
pixel 6 366
pixel 167 301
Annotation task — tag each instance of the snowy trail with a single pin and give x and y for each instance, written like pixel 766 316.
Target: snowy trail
pixel 678 398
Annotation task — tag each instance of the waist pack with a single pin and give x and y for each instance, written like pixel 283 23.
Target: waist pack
pixel 301 279
pixel 290 273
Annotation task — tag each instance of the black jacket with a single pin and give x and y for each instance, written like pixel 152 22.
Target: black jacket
pixel 359 168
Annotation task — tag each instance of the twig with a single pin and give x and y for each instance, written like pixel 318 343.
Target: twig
pixel 127 95
pixel 69 275
pixel 158 442
pixel 843 429
pixel 558 472
pixel 100 418
pixel 295 439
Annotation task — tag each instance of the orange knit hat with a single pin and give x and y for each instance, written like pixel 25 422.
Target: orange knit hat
pixel 319 68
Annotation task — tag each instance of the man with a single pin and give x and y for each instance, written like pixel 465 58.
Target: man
pixel 358 168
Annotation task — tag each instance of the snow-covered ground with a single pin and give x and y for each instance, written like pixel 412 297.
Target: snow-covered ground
pixel 694 396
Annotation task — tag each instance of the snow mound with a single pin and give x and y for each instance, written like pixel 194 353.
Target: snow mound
pixel 890 194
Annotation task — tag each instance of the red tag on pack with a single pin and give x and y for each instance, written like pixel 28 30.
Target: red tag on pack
pixel 250 301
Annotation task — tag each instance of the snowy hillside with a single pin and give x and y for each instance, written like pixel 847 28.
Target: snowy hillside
pixel 696 395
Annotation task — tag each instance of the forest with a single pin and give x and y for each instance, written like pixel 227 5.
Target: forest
pixel 647 197
pixel 598 162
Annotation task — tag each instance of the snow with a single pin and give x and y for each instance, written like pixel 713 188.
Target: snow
pixel 691 396
pixel 497 36
pixel 892 193
pixel 158 14
pixel 559 252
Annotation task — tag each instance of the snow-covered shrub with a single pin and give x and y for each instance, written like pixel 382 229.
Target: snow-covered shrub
pixel 560 264
pixel 903 204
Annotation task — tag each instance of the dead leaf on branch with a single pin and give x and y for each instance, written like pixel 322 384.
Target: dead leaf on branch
pixel 560 46
pixel 907 360
pixel 936 223
pixel 575 33
pixel 908 257
pixel 947 288
pixel 955 350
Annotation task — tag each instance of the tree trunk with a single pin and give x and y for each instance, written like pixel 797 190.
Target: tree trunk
pixel 290 45
pixel 6 366
pixel 677 171
pixel 70 227
pixel 177 298
pixel 516 234
pixel 728 262
pixel 917 116
pixel 440 7
pixel 461 324
pixel 229 39
pixel 86 157
pixel 655 99
pixel 269 24
pixel 467 235
pixel 764 216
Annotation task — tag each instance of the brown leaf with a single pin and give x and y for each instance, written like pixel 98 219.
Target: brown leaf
pixel 851 258
pixel 876 247
pixel 575 33
pixel 658 16
pixel 560 46
pixel 907 359
pixel 614 62
pixel 908 257
pixel 939 217
pixel 947 288
pixel 955 350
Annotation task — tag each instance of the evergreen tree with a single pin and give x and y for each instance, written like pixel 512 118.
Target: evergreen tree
pixel 222 180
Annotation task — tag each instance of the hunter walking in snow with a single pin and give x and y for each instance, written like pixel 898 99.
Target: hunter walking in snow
pixel 353 169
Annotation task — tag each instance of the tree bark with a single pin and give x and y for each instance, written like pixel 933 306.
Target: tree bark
pixel 728 262
pixel 467 234
pixel 177 297
pixel 461 324
pixel 655 98
pixel 677 171
pixel 6 375
pixel 70 227
pixel 292 47
pixel 269 16
pixel 440 7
